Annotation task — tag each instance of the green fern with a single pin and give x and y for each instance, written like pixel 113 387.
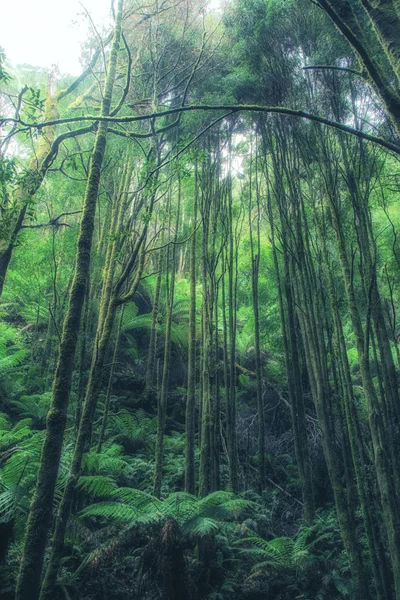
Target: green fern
pixel 197 518
pixel 5 424
pixel 7 363
pixel 138 322
pixel 138 426
pixel 201 527
pixel 110 462
pixel 96 485
pixel 282 553
pixel 116 511
pixel 35 406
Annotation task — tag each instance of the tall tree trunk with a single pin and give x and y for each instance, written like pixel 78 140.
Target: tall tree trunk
pixel 163 399
pixel 231 409
pixel 39 520
pixel 150 383
pixel 104 332
pixel 255 248
pixel 292 361
pixel 342 13
pixel 378 435
pixel 190 485
pixel 109 385
pixel 205 467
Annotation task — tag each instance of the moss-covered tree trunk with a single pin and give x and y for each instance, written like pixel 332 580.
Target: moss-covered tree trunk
pixel 343 14
pixel 210 435
pixel 231 397
pixel 310 307
pixel 316 362
pixel 190 475
pixel 378 434
pixel 109 305
pixel 376 553
pixel 107 400
pixel 292 356
pixel 163 398
pixel 40 515
pixel 150 381
pixel 205 467
pixel 255 252
pixel 386 22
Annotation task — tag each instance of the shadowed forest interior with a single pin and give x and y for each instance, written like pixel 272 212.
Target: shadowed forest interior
pixel 199 311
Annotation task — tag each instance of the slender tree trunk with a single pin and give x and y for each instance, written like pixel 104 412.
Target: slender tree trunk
pixel 205 467
pixel 383 470
pixel 83 360
pixel 231 412
pixel 150 383
pixel 163 399
pixel 109 385
pixel 255 248
pixel 191 390
pixel 104 332
pixel 39 520
pixel 292 363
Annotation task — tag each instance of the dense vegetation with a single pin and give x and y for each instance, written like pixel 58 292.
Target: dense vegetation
pixel 199 278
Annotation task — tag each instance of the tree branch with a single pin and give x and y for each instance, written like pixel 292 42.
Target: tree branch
pixel 232 108
pixel 335 68
pixel 55 222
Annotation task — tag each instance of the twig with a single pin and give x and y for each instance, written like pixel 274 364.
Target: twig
pixel 284 491
pixel 54 323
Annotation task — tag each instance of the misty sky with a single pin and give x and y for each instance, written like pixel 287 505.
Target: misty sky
pixel 47 32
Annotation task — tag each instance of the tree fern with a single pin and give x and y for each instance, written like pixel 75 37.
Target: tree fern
pixel 201 527
pixel 141 500
pixel 196 517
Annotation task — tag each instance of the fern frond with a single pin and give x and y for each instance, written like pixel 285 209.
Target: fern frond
pixel 10 499
pixel 22 425
pixel 7 363
pixel 36 405
pixel 116 511
pixel 138 322
pixel 110 461
pixel 201 527
pixel 96 485
pixel 216 498
pixel 140 500
pixel 5 424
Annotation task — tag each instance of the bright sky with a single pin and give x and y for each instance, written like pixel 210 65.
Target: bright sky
pixel 46 32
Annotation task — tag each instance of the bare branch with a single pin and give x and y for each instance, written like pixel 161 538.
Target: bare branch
pixel 233 108
pixel 128 79
pixel 53 222
pixel 335 68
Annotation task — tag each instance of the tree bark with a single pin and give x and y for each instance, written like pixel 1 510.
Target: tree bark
pixel 39 520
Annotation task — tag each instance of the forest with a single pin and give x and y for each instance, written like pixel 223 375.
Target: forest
pixel 199 307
